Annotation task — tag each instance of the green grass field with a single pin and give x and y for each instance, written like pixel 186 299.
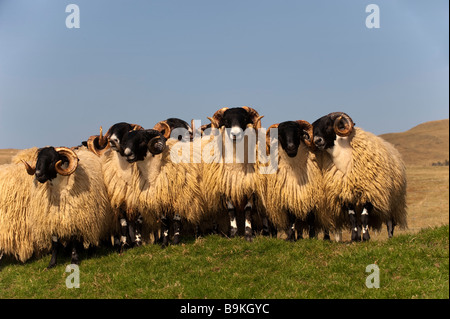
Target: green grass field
pixel 410 266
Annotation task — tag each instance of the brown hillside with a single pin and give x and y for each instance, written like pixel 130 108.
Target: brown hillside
pixel 6 155
pixel 424 144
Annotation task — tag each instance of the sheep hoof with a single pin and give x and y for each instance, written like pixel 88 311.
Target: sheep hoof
pixel 50 266
pixel 249 238
pixel 355 236
pixel 176 239
pixel 165 243
pixel 122 248
pixel 137 243
pixel 233 232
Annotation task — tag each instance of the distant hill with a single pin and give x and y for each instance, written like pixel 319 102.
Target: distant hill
pixel 6 155
pixel 424 144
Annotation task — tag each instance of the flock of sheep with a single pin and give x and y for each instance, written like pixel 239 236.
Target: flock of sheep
pixel 135 184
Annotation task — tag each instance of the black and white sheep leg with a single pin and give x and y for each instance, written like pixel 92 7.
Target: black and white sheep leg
pixel 75 258
pixel 355 225
pixel 233 222
pixel 365 221
pixel 290 235
pixel 123 233
pixel 165 231
pixel 248 221
pixel 138 230
pixel 176 229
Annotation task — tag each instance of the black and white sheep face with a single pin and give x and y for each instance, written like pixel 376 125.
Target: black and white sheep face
pixel 289 136
pixel 45 165
pixel 136 144
pixel 116 133
pixel 236 121
pixel 178 125
pixel 324 134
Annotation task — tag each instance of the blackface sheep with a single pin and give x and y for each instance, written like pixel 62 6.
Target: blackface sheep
pixel 15 187
pixel 118 177
pixel 167 188
pixel 68 199
pixel 364 176
pixel 295 190
pixel 231 173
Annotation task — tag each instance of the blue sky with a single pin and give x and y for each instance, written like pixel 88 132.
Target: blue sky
pixel 145 61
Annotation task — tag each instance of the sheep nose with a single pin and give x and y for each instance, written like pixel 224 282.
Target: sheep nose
pixel 319 141
pixel 236 132
pixel 290 146
pixel 127 151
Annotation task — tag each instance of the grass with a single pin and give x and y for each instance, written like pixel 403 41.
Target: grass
pixel 411 266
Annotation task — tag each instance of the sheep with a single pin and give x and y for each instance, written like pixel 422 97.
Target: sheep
pixel 166 188
pixel 118 178
pixel 15 187
pixel 295 190
pixel 364 176
pixel 225 177
pixel 68 199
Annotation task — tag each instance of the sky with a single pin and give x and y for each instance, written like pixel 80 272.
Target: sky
pixel 145 61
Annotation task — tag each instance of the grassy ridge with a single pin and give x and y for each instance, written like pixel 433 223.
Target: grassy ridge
pixel 411 266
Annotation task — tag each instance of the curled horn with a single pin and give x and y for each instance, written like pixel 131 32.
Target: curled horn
pixel 136 127
pixel 215 120
pixel 157 144
pixel 73 161
pixel 307 135
pixel 255 117
pixel 343 124
pixel 268 137
pixel 163 127
pixel 30 169
pixel 192 126
pixel 98 144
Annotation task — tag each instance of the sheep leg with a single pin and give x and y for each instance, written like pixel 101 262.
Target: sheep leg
pixel 365 222
pixel 176 229
pixel 156 237
pixel 55 245
pixel 326 234
pixel 123 233
pixel 338 235
pixel 390 228
pixel 310 219
pixel 215 227
pixel 248 221
pixel 290 235
pixel 273 230
pixel 197 231
pixel 165 231
pixel 74 255
pixel 232 215
pixel 266 227
pixel 138 231
pixel 353 223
